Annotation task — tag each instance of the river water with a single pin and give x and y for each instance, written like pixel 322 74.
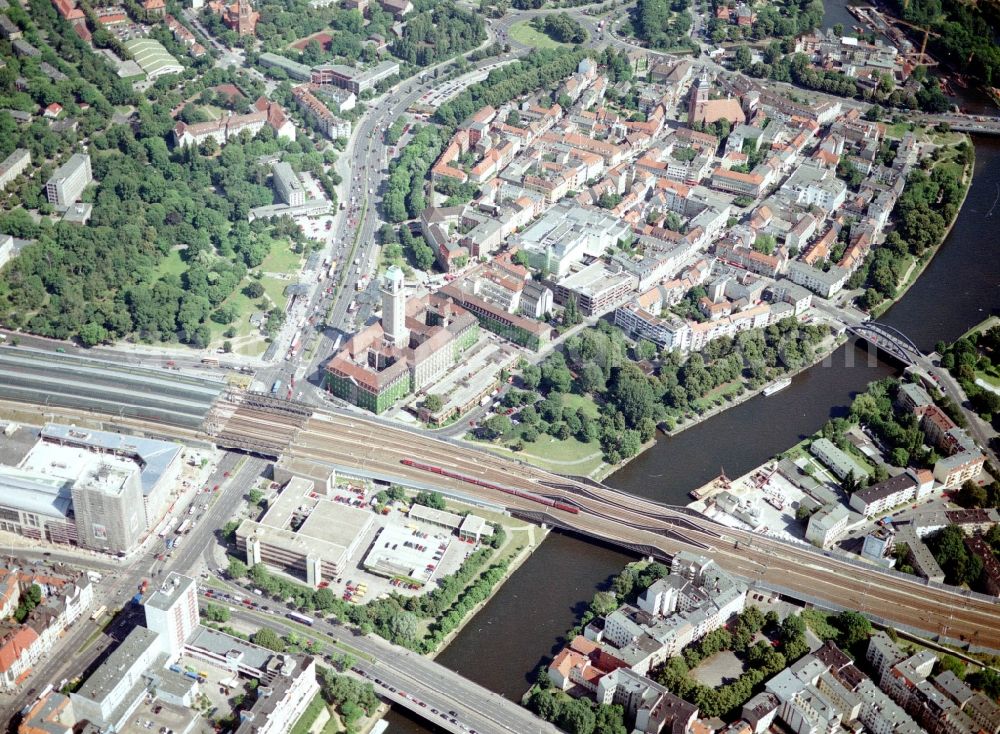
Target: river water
pixel 522 625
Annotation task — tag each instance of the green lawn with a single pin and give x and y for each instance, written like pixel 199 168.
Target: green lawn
pixel 275 289
pixel 281 259
pixel 897 130
pixel 989 378
pixel 309 716
pixel 524 33
pixel 706 402
pixel 563 457
pixel 172 264
pixel 576 402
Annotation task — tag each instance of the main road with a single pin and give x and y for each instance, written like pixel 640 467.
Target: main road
pixel 400 676
pixel 85 643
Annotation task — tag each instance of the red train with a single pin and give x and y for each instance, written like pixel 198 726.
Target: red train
pixel 489 485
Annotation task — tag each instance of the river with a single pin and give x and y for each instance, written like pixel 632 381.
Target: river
pixel 521 626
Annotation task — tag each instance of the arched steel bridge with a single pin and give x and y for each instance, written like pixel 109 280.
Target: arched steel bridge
pixel 890 340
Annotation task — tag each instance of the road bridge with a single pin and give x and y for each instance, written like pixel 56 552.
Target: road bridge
pixel 429 690
pixel 977 124
pixel 890 340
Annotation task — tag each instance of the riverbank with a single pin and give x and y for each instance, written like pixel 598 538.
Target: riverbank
pixel 830 345
pixel 911 278
pixel 535 537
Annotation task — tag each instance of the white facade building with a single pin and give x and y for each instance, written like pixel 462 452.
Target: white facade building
pixel 69 181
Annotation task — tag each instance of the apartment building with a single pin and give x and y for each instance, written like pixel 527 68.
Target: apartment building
pixel 953 471
pixel 827 525
pixel 811 186
pixel 287 184
pixel 598 288
pixel 69 181
pixel 735 182
pixel 14 165
pixel 64 599
pixel 321 116
pixel 826 283
pixel 652 706
pixel 878 498
pixel 667 333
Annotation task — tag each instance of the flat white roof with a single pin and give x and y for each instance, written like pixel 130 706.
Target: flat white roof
pixel 70 463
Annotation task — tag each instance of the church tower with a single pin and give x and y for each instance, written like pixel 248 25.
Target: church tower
pixel 697 97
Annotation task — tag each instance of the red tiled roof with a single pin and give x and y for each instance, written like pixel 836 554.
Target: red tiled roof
pixel 15 646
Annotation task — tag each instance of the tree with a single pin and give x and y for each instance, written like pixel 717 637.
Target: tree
pixel 531 375
pixel 324 599
pixel 987 680
pixel 229 529
pixel 433 403
pixel 92 334
pixel 765 243
pixel 949 662
pixel 645 349
pixel 743 58
pixel 604 603
pixel 610 720
pixel 253 290
pixel 268 638
pixel 497 426
pixel 29 600
pixel 854 628
pixel 851 484
pixel 971 495
pixel 255 496
pixel 216 613
pixel 960 566
pixel 237 568
pixel 434 500
pixel 571 315
pixel 577 717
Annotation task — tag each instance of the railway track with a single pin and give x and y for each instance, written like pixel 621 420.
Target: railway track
pixel 257 423
pixel 605 513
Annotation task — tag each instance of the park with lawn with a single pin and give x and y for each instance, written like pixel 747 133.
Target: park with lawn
pixel 261 290
pixel 549 31
pixel 597 403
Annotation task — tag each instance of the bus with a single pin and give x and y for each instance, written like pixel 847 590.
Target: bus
pixel 300 618
pixel 167 528
pixel 275 387
pixel 98 613
pixel 184 527
pixel 210 361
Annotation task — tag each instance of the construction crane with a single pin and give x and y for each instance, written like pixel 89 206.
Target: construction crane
pixel 922 56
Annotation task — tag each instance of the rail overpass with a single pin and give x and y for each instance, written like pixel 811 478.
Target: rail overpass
pixel 379 447
pixel 350 441
pixel 639 524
